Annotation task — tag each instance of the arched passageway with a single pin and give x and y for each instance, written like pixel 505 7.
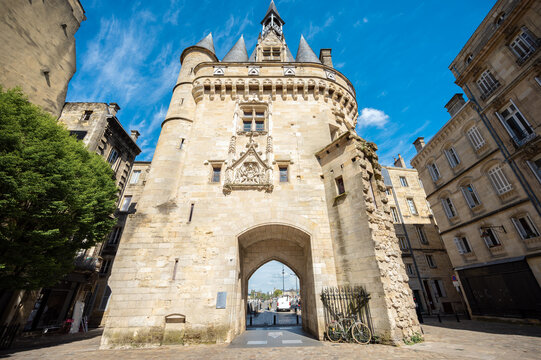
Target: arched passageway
pixel 288 245
pixel 273 296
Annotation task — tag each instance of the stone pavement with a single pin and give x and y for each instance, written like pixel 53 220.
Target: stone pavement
pixel 448 340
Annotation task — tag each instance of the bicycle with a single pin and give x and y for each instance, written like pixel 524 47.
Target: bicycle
pixel 348 327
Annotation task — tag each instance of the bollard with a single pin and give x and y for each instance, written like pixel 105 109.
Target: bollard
pixel 420 317
pixel 297 319
pixel 250 321
pixel 274 319
pixel 439 318
pixel 457 318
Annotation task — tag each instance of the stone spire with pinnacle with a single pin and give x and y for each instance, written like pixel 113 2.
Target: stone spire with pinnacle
pixel 305 53
pixel 272 21
pixel 237 53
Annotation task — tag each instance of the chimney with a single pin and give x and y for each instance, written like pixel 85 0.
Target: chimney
pixel 113 108
pixel 135 135
pixel 325 57
pixel 456 102
pixel 419 144
pixel 399 162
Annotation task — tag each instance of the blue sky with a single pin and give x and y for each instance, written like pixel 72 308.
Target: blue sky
pixel 395 52
pixel 269 277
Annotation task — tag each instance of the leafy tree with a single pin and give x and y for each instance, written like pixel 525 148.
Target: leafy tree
pixel 55 196
pixel 277 293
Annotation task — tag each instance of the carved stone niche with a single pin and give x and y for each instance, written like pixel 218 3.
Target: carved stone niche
pixel 248 172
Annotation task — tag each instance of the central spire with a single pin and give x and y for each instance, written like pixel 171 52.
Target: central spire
pixel 272 21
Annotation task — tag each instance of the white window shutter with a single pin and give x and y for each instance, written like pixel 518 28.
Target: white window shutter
pixel 445 208
pixel 519 228
pixel 459 246
pixel 442 288
pixel 467 197
pixel 504 123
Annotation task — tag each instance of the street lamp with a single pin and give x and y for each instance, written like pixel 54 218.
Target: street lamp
pixel 296 287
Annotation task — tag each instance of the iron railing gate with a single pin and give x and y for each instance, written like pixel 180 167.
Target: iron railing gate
pixel 7 335
pixel 346 301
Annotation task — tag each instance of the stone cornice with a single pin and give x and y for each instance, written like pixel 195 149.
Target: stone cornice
pixel 246 65
pixel 296 88
pixel 443 134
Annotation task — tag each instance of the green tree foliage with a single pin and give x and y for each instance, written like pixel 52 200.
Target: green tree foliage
pixel 55 196
pixel 277 293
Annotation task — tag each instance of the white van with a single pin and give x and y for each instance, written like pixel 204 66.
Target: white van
pixel 284 303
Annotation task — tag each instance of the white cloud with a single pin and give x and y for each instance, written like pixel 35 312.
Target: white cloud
pixel 372 117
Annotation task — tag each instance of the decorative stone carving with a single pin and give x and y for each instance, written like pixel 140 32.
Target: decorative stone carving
pixel 249 172
pixel 330 75
pixel 219 70
pixel 253 70
pixel 289 70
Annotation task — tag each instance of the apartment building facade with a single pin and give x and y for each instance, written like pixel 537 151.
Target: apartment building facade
pixel 425 258
pixel 482 169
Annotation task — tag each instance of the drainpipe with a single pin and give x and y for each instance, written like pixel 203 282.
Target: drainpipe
pixel 507 156
pixel 411 251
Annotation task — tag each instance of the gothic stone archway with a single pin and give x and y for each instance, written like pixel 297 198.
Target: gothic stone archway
pixel 286 244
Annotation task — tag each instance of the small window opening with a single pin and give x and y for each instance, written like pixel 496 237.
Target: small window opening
pixel 340 185
pixel 86 115
pixel 175 269
pixel 191 212
pixel 216 172
pixel 181 144
pixel 283 174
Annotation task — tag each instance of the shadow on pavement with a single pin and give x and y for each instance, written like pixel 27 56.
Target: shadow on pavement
pixel 491 327
pixel 49 340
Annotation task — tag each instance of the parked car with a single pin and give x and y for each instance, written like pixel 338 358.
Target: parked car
pixel 284 303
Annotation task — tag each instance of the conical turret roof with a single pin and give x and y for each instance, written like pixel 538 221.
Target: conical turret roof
pixel 305 53
pixel 237 53
pixel 207 43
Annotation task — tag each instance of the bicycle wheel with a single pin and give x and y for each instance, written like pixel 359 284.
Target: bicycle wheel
pixel 361 333
pixel 334 331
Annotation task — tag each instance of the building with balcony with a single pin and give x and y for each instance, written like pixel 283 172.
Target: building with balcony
pixel 427 263
pixel 481 171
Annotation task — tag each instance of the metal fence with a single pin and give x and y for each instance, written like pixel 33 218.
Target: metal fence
pixel 346 301
pixel 7 335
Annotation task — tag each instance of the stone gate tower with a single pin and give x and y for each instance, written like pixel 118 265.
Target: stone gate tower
pixel 257 160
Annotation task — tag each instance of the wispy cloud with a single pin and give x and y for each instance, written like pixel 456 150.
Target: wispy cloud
pixel 359 22
pixel 313 30
pixel 372 117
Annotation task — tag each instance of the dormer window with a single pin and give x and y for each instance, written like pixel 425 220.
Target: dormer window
pixel 271 54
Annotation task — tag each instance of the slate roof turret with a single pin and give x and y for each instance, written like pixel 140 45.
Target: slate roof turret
pixel 237 53
pixel 207 43
pixel 305 53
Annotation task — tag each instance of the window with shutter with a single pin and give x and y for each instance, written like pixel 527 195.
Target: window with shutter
pixel 434 172
pixel 448 207
pixel 516 124
pixel 476 138
pixel 471 196
pixel 523 45
pixel 490 238
pixel 525 227
pixel 487 83
pixel 452 157
pixel 499 180
pixel 535 166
